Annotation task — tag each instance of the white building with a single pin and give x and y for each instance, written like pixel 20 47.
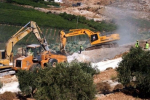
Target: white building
pixel 58 1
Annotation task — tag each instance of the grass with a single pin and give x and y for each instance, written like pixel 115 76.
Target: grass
pixel 17 15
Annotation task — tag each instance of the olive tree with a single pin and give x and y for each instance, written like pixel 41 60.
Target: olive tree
pixel 67 81
pixel 134 70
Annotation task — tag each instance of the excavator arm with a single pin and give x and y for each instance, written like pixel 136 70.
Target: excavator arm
pixel 95 38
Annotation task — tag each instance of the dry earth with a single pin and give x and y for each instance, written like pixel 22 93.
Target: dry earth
pixel 117 96
pixel 108 75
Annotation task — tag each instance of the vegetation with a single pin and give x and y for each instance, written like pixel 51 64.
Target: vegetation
pixel 103 26
pixel 64 82
pixel 20 16
pixel 134 71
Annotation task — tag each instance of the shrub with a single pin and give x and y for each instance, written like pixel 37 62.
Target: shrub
pixel 8 1
pixel 134 71
pixel 20 16
pixel 64 82
pixel 86 67
pixel 26 81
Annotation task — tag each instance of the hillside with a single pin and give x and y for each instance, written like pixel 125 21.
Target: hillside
pixel 123 13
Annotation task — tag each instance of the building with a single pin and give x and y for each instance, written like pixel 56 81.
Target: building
pixel 59 1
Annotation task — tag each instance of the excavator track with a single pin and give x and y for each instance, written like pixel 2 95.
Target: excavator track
pixel 6 71
pixel 104 45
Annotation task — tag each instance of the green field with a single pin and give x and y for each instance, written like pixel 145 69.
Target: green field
pixel 17 15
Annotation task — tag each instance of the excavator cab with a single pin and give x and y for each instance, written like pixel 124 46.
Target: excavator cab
pixel 94 37
pixel 34 50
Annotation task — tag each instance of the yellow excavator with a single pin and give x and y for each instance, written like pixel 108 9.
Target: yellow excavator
pixel 96 39
pixel 35 55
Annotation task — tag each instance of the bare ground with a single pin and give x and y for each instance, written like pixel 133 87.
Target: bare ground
pixel 108 75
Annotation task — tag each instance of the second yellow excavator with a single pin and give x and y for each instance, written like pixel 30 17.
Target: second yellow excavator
pixel 95 38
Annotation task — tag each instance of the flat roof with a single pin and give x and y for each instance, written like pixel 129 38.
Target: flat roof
pixel 33 45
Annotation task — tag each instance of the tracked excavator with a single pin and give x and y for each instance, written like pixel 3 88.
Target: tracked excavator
pixel 35 55
pixel 96 39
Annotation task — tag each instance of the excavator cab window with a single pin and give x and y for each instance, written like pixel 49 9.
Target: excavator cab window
pixel 94 37
pixel 33 51
pixel 2 54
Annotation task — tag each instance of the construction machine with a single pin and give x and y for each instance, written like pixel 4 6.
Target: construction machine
pixel 35 55
pixel 96 39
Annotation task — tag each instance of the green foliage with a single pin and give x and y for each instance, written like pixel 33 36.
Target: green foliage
pixel 26 81
pixel 64 82
pixel 8 1
pixel 86 67
pixel 103 26
pixel 20 16
pixel 134 71
pixel 68 16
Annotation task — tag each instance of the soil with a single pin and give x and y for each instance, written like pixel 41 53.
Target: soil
pixel 108 75
pixel 105 75
pixel 117 96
